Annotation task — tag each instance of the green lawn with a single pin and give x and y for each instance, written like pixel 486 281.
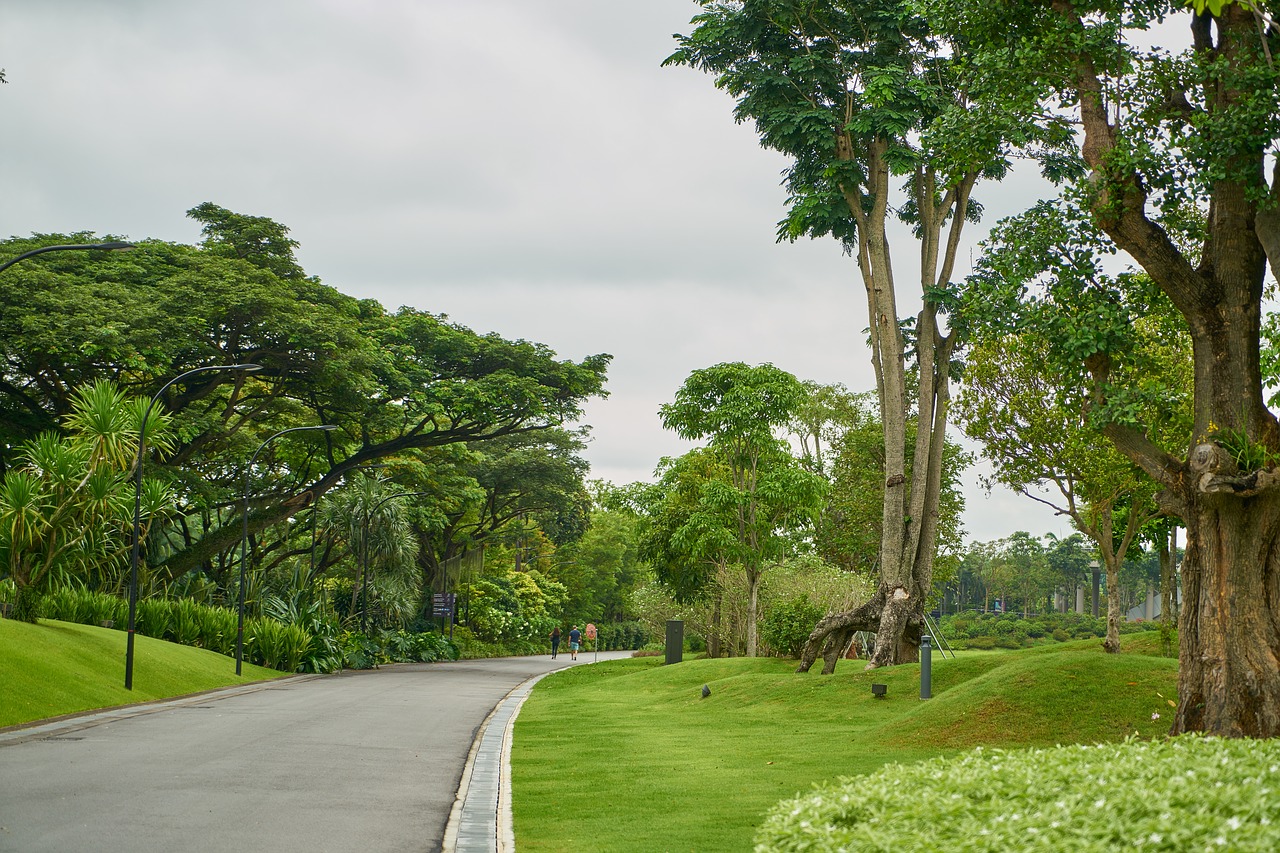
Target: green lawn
pixel 55 668
pixel 626 755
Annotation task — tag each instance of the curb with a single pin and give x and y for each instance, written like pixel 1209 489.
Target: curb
pixel 480 820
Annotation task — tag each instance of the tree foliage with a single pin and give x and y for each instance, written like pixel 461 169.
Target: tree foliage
pixel 737 502
pixel 1167 129
pixel 406 385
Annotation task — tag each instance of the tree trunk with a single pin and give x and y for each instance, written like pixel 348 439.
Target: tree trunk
pixel 1229 626
pixel 1112 643
pixel 713 641
pixel 1229 629
pixel 753 597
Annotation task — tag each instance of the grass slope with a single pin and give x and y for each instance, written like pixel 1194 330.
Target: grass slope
pixel 56 668
pixel 627 755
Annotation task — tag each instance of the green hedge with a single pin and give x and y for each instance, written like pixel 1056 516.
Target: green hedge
pixel 1185 793
pixel 786 627
pixel 1013 631
pixel 621 636
pixel 290 646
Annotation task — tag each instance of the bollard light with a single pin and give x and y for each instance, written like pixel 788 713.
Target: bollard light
pixel 926 667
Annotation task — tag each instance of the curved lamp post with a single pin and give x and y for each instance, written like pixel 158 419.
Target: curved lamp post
pixel 244 539
pixel 114 245
pixel 364 555
pixel 137 483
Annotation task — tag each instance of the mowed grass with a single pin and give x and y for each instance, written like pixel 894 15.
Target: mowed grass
pixel 55 668
pixel 628 756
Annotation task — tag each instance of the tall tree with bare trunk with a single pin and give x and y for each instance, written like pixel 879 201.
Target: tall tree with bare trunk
pixel 860 95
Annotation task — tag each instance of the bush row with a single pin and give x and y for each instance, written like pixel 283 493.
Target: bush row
pixel 1013 631
pixel 314 646
pixel 1078 798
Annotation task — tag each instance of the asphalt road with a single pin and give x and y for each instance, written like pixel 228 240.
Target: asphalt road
pixel 361 761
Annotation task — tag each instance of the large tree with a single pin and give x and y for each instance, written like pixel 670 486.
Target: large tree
pixel 746 518
pixel 858 94
pixel 393 382
pixel 1163 127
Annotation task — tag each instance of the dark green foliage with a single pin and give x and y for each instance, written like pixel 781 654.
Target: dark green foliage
pixel 787 625
pixel 395 383
pixel 359 651
pixel 622 635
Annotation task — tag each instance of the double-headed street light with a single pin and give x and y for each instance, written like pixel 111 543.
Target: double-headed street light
pixel 244 540
pixel 114 245
pixel 137 488
pixel 364 552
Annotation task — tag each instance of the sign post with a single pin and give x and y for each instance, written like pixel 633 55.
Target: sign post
pixel 595 647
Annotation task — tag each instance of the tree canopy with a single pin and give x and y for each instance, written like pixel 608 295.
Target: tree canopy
pixel 404 384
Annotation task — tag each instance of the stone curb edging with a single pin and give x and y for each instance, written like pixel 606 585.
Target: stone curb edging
pixel 480 820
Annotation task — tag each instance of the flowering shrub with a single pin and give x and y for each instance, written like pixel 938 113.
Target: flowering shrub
pixel 1185 793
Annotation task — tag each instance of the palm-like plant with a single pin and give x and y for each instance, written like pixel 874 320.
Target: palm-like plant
pixel 375 525
pixel 67 508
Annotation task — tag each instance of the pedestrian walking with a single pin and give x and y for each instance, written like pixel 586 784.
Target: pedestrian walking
pixel 555 641
pixel 575 641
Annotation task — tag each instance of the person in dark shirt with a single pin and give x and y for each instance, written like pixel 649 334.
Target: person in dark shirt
pixel 555 642
pixel 575 641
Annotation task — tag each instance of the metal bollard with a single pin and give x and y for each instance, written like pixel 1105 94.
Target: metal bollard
pixel 926 667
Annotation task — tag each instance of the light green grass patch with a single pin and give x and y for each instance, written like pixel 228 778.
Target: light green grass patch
pixel 627 755
pixel 55 668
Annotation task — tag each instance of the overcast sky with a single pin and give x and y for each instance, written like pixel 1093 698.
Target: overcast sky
pixel 524 166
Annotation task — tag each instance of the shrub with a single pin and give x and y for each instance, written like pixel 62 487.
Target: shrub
pixel 787 626
pixel 218 627
pixel 980 643
pixel 1061 635
pixel 153 618
pixel 422 647
pixel 623 635
pixel 1006 642
pixel 276 645
pixel 1222 792
pixel 186 622
pixel 359 651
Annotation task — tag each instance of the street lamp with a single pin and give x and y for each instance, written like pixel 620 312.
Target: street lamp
pixel 244 539
pixel 137 489
pixel 114 245
pixel 364 555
